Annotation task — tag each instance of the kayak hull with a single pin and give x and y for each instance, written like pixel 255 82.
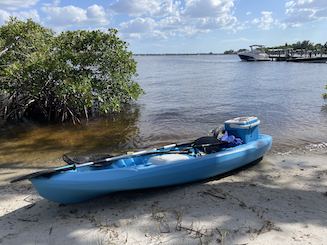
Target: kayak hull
pixel 83 184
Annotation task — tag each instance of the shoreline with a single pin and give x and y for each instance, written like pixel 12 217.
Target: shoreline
pixel 282 198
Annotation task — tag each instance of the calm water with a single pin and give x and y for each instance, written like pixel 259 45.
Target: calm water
pixel 186 96
pixel 189 95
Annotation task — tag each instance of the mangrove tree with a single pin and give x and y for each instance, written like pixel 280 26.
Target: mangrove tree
pixel 69 76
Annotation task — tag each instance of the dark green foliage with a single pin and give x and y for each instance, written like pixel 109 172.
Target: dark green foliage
pixel 63 77
pixel 242 50
pixel 304 45
pixel 231 51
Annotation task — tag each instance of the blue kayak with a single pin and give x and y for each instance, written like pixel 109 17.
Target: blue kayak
pixel 232 146
pixel 147 171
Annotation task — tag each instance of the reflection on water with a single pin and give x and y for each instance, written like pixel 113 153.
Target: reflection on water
pixel 41 145
pixel 186 96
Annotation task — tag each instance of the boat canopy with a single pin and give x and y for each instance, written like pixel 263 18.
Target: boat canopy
pixel 257 45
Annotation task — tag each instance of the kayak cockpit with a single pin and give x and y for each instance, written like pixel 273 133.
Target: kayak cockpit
pixel 149 160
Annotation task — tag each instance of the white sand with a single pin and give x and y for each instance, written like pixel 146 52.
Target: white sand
pixel 281 200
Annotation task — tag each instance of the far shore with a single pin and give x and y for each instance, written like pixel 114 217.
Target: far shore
pixel 180 54
pixel 282 200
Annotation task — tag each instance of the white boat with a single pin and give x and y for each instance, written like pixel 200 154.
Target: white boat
pixel 255 54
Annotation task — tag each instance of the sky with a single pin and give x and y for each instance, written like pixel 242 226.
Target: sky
pixel 182 26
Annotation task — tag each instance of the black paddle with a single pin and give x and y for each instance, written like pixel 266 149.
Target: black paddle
pixel 109 160
pixel 206 141
pixel 102 162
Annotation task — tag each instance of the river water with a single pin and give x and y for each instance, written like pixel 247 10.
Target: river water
pixel 185 97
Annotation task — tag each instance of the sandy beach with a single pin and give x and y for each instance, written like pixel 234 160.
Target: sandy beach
pixel 282 200
pixel 126 94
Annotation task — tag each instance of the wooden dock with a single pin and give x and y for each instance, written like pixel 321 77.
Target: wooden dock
pixel 290 55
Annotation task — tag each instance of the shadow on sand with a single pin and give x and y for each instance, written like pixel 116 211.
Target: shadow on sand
pixel 234 208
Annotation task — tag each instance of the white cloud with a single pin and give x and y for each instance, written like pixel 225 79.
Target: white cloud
pixel 21 15
pixel 15 4
pixel 145 7
pixel 208 8
pixel 138 25
pixel 67 15
pixel 97 14
pixel 173 18
pixel 265 22
pixel 134 7
pixel 191 31
pixel 29 14
pixel 224 22
pixel 72 15
pixel 211 14
pixel 302 11
pixel 164 18
pixel 4 16
pixel 170 23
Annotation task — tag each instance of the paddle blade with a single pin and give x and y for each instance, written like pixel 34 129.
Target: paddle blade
pixel 45 172
pixel 33 175
pixel 68 160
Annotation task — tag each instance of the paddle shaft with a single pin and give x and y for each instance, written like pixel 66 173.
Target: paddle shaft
pixel 74 166
pixel 109 160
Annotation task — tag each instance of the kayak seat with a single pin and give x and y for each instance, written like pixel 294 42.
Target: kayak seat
pixel 208 140
pixel 167 159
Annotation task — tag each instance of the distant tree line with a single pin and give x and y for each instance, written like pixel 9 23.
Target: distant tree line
pixel 232 51
pixel 304 45
pixel 73 75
